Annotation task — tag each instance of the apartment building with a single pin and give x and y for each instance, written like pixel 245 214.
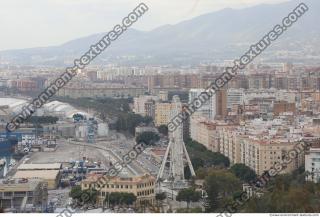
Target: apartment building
pixel 282 107
pixel 143 187
pixel 78 92
pixel 162 113
pixel 203 132
pixel 208 109
pixel 214 135
pixel 262 154
pixel 23 85
pixel 228 143
pixel 145 105
pixel 234 97
pixel 256 143
pixel 173 79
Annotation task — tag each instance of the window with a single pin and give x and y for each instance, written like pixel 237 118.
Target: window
pixel 7 194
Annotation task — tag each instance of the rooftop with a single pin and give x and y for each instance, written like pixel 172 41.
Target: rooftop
pixel 15 185
pixel 53 166
pixel 36 174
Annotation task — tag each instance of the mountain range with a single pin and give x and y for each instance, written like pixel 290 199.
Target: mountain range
pixel 216 36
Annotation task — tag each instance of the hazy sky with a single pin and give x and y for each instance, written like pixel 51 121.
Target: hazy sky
pixel 34 23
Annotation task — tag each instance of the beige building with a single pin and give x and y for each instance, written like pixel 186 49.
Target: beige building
pixel 257 144
pixel 260 145
pixel 228 142
pixel 261 155
pixel 162 113
pixel 143 187
pixel 211 134
pixel 23 195
pixel 50 173
pixel 53 166
pixel 204 132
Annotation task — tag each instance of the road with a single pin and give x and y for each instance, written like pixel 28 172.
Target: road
pixel 113 153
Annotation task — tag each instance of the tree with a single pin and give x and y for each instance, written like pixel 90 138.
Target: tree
pixel 160 197
pixel 75 192
pixel 84 197
pixel 91 196
pixel 129 121
pixel 128 198
pixel 243 172
pixel 163 129
pixel 220 186
pixel 148 138
pixel 287 193
pixel 188 195
pixel 120 198
pixel 202 157
pixel 197 162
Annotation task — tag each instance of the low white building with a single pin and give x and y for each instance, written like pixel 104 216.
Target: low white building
pixel 312 165
pixel 139 104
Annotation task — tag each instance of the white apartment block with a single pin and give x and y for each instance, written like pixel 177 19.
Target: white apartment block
pixel 235 97
pixel 140 102
pixel 279 95
pixel 208 109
